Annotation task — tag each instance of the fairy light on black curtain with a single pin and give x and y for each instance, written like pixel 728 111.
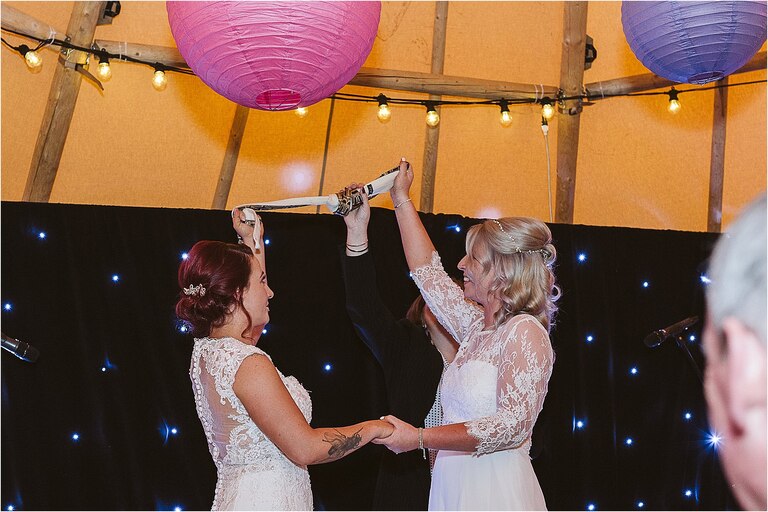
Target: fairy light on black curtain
pixel 385 113
pixel 674 103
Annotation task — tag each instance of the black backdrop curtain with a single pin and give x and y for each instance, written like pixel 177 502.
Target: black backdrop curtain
pixel 623 427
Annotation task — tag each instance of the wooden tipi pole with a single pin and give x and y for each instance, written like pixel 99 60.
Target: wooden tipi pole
pixel 61 104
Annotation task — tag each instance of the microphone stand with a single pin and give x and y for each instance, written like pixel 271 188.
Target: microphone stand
pixel 680 341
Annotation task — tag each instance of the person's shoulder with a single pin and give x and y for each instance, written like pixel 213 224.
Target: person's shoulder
pixel 235 348
pixel 525 322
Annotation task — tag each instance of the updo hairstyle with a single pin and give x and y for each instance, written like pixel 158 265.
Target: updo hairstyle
pixel 518 254
pixel 223 270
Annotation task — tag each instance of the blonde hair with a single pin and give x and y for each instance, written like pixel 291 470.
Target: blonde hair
pixel 517 253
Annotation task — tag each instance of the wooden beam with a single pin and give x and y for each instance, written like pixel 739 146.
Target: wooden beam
pixel 446 85
pixel 14 20
pixel 571 77
pixel 410 81
pixel 649 81
pixel 145 52
pixel 230 158
pixel 61 105
pixel 429 165
pixel 717 159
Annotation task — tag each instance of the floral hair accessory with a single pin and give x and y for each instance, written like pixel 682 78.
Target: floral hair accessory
pixel 194 290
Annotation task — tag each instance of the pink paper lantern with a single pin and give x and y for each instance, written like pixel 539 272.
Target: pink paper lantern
pixel 274 55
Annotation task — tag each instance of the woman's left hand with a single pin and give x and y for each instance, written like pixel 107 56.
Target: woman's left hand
pixel 404 437
pixel 245 230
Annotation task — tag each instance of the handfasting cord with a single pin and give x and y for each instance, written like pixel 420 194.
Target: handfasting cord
pixel 340 203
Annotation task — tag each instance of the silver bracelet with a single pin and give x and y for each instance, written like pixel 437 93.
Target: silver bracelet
pixel 421 440
pixel 401 203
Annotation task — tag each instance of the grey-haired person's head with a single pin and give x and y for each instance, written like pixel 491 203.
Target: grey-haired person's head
pixel 737 272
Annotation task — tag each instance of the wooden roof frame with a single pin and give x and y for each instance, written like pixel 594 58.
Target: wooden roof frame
pixel 84 18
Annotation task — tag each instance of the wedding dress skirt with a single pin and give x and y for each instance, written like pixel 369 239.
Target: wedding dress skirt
pixel 496 481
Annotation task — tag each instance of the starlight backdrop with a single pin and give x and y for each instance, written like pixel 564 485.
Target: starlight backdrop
pixel 105 418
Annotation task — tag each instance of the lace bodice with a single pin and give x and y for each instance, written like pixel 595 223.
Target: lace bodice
pixel 497 383
pixel 235 442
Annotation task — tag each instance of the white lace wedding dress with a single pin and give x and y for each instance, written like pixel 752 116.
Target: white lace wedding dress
pixel 253 474
pixel 496 386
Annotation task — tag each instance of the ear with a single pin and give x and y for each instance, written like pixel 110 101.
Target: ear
pixel 746 363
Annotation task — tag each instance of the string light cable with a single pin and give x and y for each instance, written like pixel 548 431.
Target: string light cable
pixel 545 132
pixel 100 53
pixel 503 104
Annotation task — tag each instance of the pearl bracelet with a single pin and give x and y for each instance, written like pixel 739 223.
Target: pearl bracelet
pixel 421 440
pixel 401 203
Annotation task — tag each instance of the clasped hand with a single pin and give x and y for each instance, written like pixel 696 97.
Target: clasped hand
pixel 404 437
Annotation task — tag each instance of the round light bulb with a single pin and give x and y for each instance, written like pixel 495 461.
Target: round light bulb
pixel 104 71
pixel 547 111
pixel 33 59
pixel 384 113
pixel 302 112
pixel 433 118
pixel 159 80
pixel 505 119
pixel 674 106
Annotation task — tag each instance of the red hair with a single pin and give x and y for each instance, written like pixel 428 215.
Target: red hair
pixel 224 271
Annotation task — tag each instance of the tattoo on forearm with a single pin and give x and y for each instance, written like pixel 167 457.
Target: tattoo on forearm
pixel 341 444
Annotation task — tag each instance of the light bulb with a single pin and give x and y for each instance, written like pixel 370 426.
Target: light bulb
pixel 159 80
pixel 33 59
pixel 384 113
pixel 432 118
pixel 505 119
pixel 302 112
pixel 674 104
pixel 547 111
pixel 104 71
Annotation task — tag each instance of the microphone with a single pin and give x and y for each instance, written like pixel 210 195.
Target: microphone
pixel 656 338
pixel 23 351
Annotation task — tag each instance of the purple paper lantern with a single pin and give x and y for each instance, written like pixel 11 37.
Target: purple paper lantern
pixel 274 55
pixel 694 42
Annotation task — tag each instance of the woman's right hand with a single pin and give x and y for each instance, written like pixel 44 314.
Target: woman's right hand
pixel 357 225
pixel 401 188
pixel 357 219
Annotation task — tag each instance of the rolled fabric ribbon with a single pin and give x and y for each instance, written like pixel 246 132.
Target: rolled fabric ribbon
pixel 340 203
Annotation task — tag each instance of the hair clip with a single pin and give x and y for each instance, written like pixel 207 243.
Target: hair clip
pixel 194 290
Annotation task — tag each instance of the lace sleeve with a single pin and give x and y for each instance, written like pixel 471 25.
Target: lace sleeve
pixel 445 299
pixel 525 365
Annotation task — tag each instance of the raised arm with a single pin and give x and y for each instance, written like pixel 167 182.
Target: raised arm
pixel 416 242
pixel 373 321
pixel 272 409
pixel 444 297
pixel 245 233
